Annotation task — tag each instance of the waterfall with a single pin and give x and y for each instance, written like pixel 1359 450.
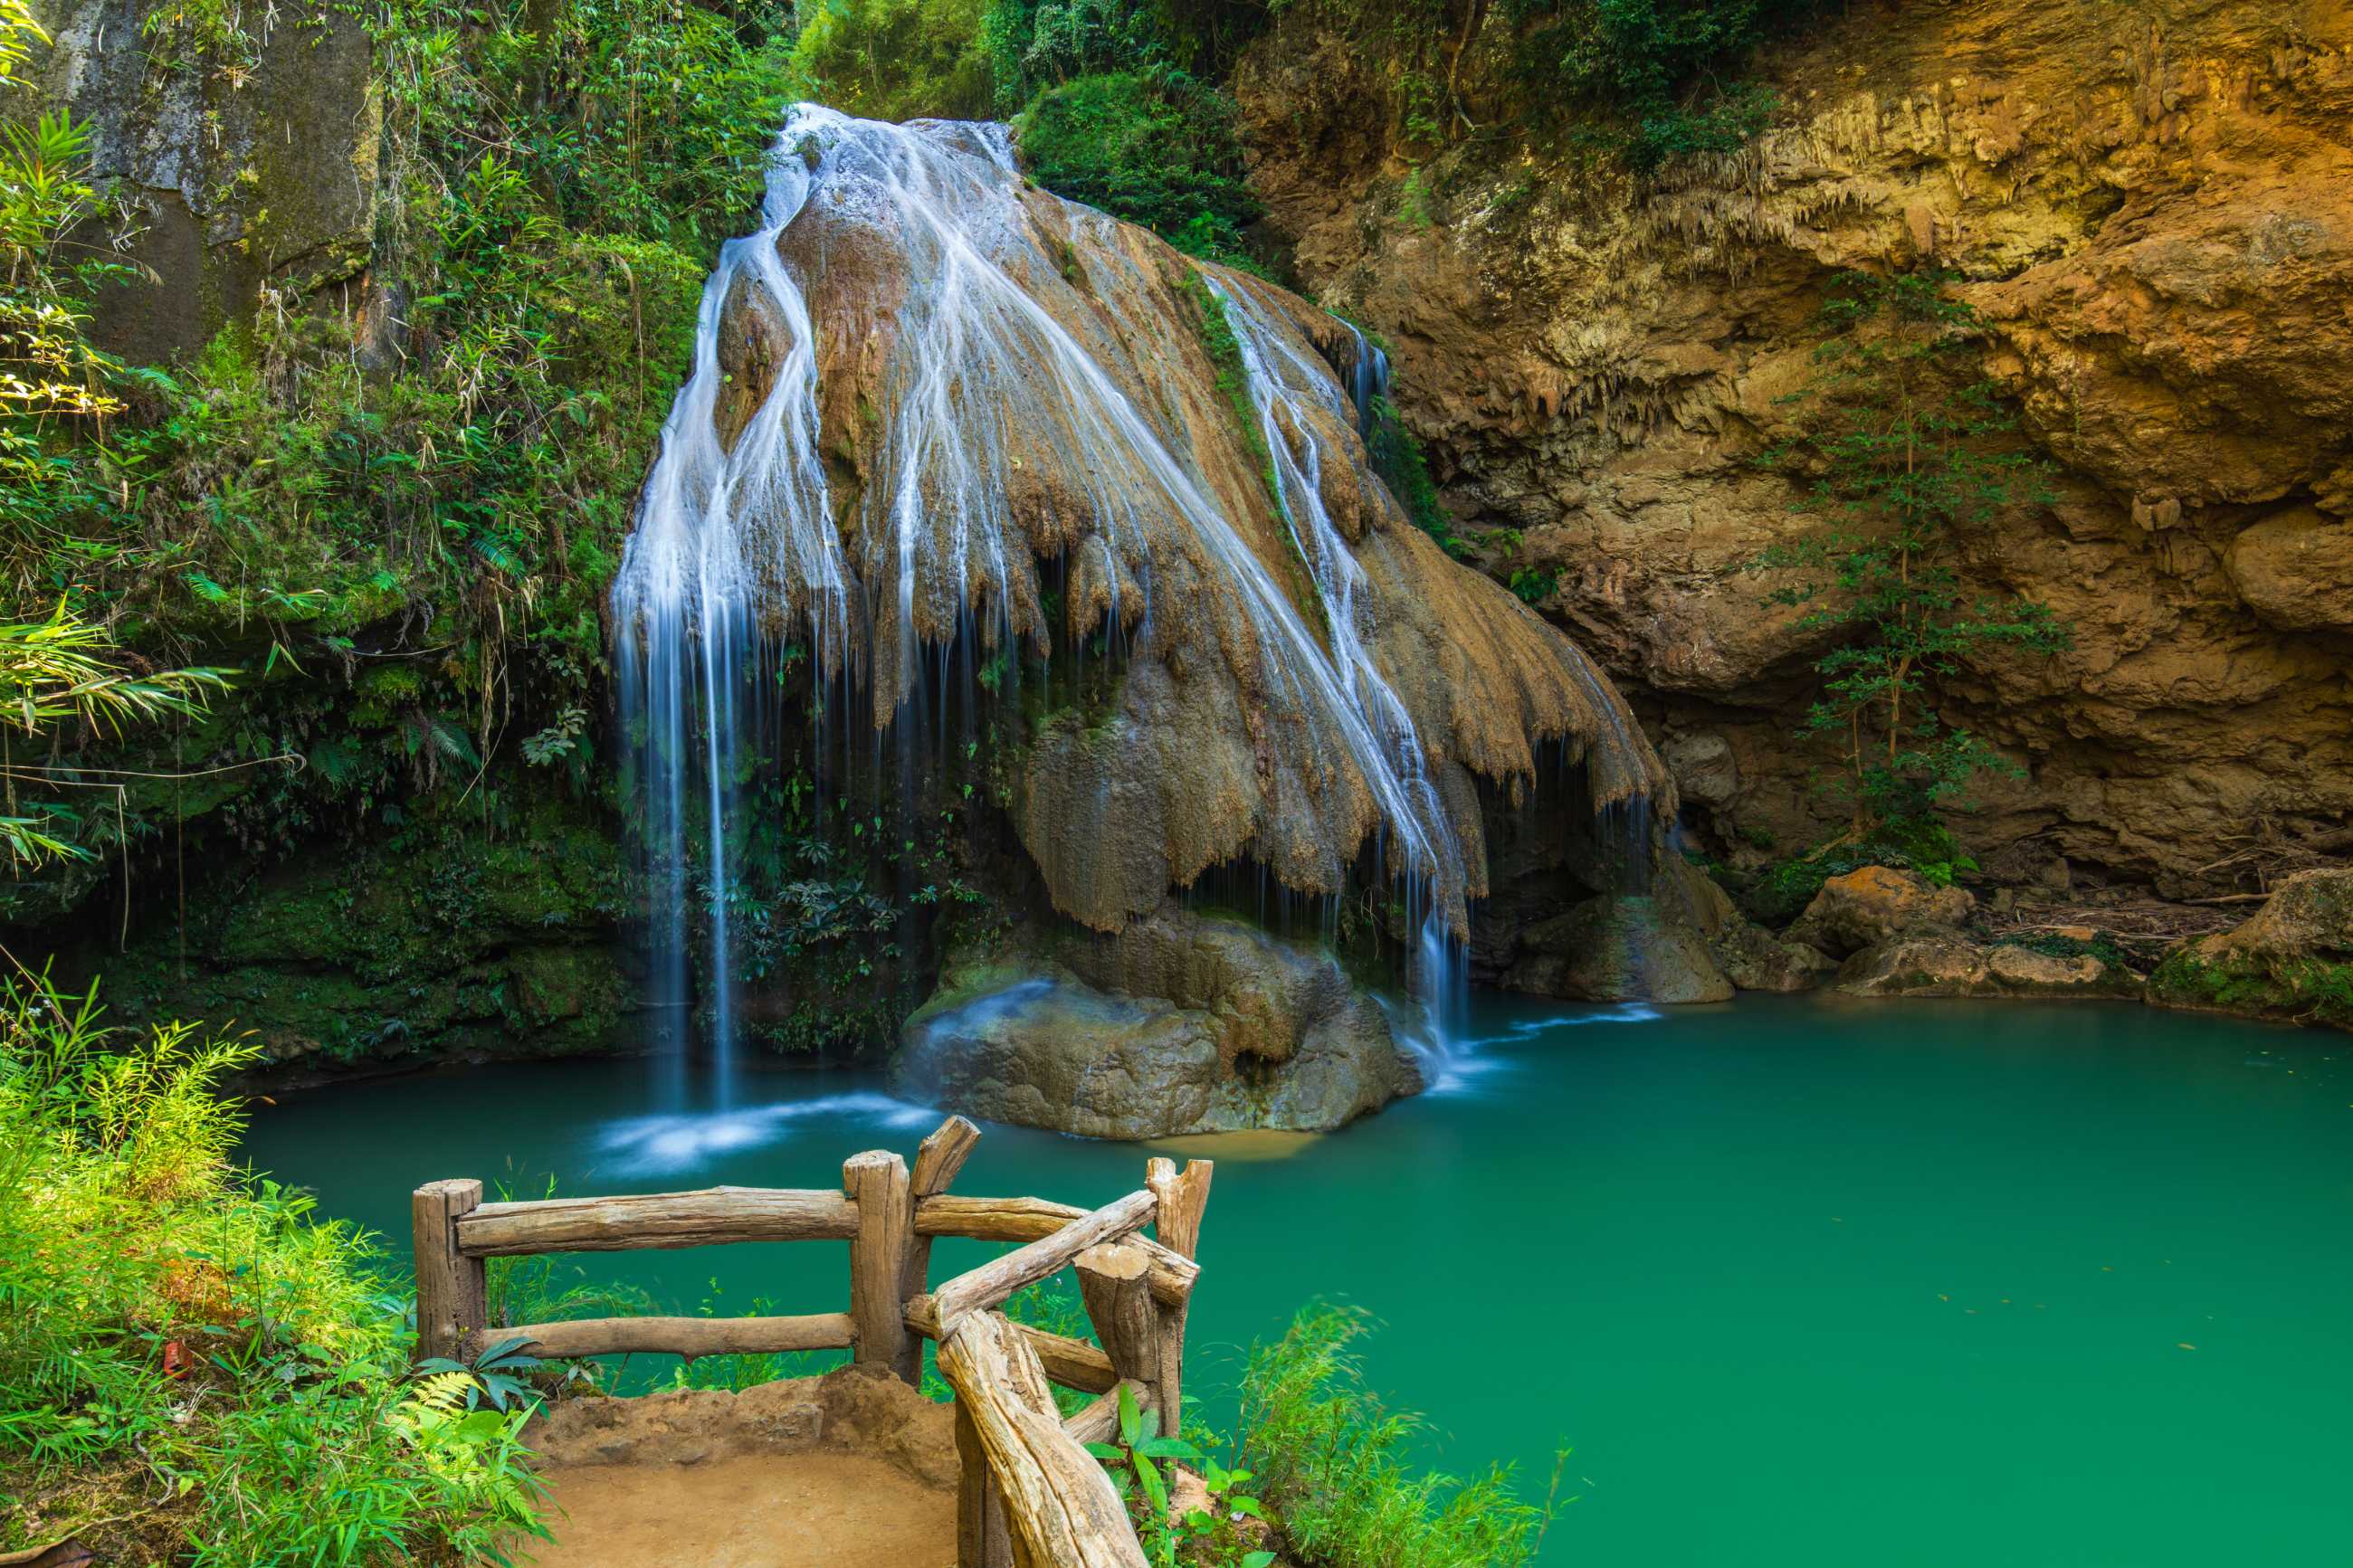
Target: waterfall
pixel 1283 379
pixel 893 300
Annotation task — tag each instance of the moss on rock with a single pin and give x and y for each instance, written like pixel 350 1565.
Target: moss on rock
pixel 446 938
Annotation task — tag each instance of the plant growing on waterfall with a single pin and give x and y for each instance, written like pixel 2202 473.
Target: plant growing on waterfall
pixel 1903 450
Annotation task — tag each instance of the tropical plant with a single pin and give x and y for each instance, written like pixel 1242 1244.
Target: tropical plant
pixel 1341 1472
pixel 1903 450
pixel 171 1330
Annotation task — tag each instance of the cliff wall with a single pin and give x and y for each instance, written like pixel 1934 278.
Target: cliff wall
pixel 2153 205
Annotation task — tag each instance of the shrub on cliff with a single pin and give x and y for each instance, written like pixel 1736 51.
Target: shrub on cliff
pixel 1902 450
pixel 193 1367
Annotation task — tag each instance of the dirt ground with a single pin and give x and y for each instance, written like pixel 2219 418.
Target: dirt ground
pixel 850 1470
pixel 779 1511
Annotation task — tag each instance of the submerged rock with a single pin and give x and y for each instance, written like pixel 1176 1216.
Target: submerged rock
pixel 1867 907
pixel 1183 1022
pixel 2292 960
pixel 1949 965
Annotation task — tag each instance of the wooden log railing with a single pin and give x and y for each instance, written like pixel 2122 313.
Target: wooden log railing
pixel 1030 1494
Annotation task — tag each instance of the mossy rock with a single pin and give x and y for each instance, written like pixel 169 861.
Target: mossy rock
pixel 2292 961
pixel 445 939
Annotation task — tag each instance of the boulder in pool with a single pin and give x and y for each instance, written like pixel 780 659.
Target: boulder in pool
pixel 1869 906
pixel 2292 960
pixel 1949 965
pixel 1617 947
pixel 1751 957
pixel 1182 1023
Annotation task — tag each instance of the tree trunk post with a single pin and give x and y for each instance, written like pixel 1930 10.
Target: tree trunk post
pixel 452 1290
pixel 982 1539
pixel 941 1156
pixel 1128 1322
pixel 877 1182
pixel 1183 1200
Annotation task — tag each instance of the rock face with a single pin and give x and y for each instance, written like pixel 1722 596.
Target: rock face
pixel 1616 947
pixel 1947 966
pixel 2293 959
pixel 1183 1022
pixel 454 943
pixel 252 166
pixel 1868 906
pixel 2153 205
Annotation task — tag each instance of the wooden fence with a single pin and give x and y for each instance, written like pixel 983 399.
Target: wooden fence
pixel 1029 1494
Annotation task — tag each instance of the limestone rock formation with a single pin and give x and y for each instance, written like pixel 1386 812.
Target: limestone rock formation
pixel 2292 960
pixel 1951 965
pixel 1616 947
pixel 1182 1023
pixel 2153 203
pixel 245 174
pixel 939 407
pixel 1866 906
pixel 1751 957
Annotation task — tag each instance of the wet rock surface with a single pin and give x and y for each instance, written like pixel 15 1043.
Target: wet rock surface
pixel 1617 948
pixel 1952 965
pixel 1183 1022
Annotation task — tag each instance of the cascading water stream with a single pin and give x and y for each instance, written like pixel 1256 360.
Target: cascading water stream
pixel 744 544
pixel 1280 379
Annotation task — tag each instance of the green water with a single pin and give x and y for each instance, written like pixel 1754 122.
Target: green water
pixel 1802 1281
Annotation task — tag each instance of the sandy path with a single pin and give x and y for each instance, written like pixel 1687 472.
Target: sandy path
pixel 810 1509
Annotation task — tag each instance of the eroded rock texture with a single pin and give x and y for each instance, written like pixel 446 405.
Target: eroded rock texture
pixel 943 405
pixel 2153 203
pixel 1182 1023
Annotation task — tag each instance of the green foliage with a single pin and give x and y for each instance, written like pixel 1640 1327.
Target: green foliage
pixel 404 521
pixel 2298 986
pixel 173 1331
pixel 1534 584
pixel 1337 1467
pixel 1398 459
pixel 1902 453
pixel 1652 69
pixel 897 59
pixel 1158 149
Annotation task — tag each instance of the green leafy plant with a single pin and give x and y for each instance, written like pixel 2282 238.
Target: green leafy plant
pixel 1903 451
pixel 1341 1472
pixel 172 1330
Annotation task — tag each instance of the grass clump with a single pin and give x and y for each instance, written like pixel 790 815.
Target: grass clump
pixel 193 1368
pixel 1337 1467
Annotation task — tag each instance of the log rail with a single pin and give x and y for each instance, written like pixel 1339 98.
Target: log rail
pixel 1029 1494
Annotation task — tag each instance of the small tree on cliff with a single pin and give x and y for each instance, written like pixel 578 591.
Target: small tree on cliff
pixel 1902 448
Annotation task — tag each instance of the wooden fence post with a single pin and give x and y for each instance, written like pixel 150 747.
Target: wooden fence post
pixel 1118 1297
pixel 452 1290
pixel 982 1539
pixel 1178 1224
pixel 877 1180
pixel 939 1159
